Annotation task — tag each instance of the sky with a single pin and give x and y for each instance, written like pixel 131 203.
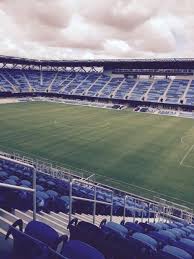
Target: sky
pixel 95 29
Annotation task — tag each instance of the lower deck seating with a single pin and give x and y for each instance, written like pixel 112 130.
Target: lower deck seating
pixel 157 90
pixel 176 90
pixel 5 86
pixel 133 240
pixel 53 194
pixel 190 94
pixel 108 240
pixel 125 88
pixel 39 240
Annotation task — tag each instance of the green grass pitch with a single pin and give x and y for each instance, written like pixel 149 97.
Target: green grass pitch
pixel 151 151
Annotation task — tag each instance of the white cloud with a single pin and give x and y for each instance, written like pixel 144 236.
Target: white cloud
pixel 98 28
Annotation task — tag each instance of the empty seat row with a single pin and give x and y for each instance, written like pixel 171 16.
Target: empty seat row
pixel 130 240
pixel 95 84
pixel 53 194
pixel 39 240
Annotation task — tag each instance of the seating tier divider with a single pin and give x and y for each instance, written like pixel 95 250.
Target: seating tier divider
pixel 131 90
pixel 166 91
pixel 101 90
pixel 50 85
pixel 14 88
pixel 186 91
pixel 119 85
pixel 65 86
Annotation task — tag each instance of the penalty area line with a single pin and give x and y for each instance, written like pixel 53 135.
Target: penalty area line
pixel 185 156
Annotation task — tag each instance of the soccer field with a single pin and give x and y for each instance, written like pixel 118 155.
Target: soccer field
pixel 151 151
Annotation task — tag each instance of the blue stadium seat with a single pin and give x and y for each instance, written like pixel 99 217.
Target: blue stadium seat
pixel 25 246
pixel 147 227
pixel 75 249
pixel 39 188
pixel 44 233
pixel 14 177
pixel 161 239
pixel 112 227
pixel 188 231
pixel 10 181
pixel 145 239
pixel 52 194
pixel 62 204
pixel 132 227
pixel 185 245
pixel 176 232
pixel 26 183
pixel 123 248
pixel 168 234
pixel 37 236
pixel 191 237
pixel 3 175
pixel 88 233
pixel 176 252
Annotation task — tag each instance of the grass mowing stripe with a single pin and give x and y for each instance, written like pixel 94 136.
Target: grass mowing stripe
pixel 139 149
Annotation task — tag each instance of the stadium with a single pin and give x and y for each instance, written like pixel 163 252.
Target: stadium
pixel 88 144
pixel 96 129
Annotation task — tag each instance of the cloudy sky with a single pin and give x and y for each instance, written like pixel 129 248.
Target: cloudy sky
pixel 65 29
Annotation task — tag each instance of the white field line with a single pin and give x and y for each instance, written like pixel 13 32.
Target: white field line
pixel 185 156
pixel 99 126
pixel 189 150
pixel 189 166
pixel 182 139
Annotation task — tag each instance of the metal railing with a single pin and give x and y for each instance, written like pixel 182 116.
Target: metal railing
pixel 44 166
pixel 171 210
pixel 94 201
pixel 142 210
pixel 33 189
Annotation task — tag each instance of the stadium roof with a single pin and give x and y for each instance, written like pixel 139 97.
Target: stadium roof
pixel 180 63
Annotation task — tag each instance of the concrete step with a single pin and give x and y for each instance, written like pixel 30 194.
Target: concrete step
pixel 64 217
pixel 9 216
pixel 55 219
pixel 5 223
pixel 22 215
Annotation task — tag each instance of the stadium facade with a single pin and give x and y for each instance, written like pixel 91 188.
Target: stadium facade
pixel 168 83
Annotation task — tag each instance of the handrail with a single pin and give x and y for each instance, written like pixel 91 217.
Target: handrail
pixel 33 190
pixel 61 172
pixel 10 186
pixel 64 173
pixel 139 209
pixel 95 201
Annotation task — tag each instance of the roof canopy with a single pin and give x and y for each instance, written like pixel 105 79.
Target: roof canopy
pixel 180 63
